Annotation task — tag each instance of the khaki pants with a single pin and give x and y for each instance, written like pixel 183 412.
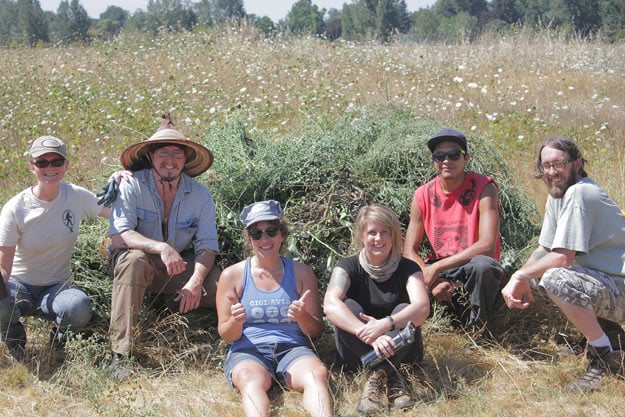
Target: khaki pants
pixel 135 273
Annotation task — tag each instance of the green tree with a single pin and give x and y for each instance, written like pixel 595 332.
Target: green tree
pixel 581 15
pixel 172 15
pixel 450 8
pixel 112 20
pixel 71 23
pixel 386 19
pixel 425 25
pixel 213 12
pixel 305 18
pixel 613 19
pixel 264 24
pixel 31 22
pixel 506 11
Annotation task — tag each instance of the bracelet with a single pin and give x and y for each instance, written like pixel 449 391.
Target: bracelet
pixel 392 322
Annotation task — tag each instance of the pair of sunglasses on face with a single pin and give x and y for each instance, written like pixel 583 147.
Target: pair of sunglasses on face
pixel 452 155
pixel 257 234
pixel 44 163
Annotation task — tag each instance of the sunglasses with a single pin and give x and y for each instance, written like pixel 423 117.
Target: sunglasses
pixel 453 155
pixel 256 234
pixel 44 163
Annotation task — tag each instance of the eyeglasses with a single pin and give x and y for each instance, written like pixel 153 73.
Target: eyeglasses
pixel 558 165
pixel 256 234
pixel 44 163
pixel 453 155
pixel 168 154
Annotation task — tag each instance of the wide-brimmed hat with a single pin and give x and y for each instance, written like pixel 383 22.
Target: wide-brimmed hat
pixel 198 157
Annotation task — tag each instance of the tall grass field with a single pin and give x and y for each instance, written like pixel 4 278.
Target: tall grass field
pixel 325 128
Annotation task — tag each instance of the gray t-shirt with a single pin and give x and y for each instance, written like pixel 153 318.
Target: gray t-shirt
pixel 589 222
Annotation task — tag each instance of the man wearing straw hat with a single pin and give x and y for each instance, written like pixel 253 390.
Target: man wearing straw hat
pixel 164 233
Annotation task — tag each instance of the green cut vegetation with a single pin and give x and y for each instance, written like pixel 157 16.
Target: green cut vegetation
pixel 323 128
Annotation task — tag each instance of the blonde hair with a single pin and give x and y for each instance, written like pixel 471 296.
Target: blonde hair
pixel 383 215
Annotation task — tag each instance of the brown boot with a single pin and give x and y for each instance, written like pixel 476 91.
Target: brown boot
pixel 398 395
pixel 596 371
pixel 371 399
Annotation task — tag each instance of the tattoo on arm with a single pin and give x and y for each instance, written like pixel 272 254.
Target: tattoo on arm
pixel 539 253
pixel 339 279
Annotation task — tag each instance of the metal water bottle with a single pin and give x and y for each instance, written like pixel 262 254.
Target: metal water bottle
pixel 401 339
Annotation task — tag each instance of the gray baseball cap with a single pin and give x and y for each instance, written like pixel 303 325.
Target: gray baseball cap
pixel 48 144
pixel 261 211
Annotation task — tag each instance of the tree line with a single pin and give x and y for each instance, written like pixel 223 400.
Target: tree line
pixel 23 22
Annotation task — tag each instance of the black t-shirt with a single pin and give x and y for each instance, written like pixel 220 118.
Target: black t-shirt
pixel 378 298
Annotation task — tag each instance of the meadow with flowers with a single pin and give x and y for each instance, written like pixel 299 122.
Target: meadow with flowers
pixel 261 103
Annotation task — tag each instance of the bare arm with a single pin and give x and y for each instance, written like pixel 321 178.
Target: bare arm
pixel 334 306
pixel 414 235
pixel 517 293
pixel 307 310
pixel 7 253
pixel 230 312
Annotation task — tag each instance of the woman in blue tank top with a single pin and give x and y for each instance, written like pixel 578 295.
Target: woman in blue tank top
pixel 269 309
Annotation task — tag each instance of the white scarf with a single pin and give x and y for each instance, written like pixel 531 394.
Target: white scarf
pixel 380 273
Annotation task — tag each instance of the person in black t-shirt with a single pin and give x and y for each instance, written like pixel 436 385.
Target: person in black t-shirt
pixel 371 296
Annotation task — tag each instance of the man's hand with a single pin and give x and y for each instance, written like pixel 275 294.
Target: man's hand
pixel 443 290
pixel 190 295
pixel 430 277
pixel 517 293
pixel 171 258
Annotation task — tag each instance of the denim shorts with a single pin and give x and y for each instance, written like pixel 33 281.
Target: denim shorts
pixel 588 288
pixel 275 358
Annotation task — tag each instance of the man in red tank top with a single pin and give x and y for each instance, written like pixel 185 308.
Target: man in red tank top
pixel 459 214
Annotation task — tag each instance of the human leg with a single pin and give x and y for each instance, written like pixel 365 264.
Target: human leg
pixel 133 272
pixel 310 376
pixel 250 376
pixel 19 303
pixel 583 294
pixel 67 305
pixel 481 279
pixel 350 348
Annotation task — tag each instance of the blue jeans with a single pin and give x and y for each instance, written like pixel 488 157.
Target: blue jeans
pixel 63 303
pixel 276 358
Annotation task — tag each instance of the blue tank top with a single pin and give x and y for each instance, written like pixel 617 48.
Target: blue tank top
pixel 267 311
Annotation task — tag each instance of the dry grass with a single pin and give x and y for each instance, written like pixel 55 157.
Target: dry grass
pixel 516 90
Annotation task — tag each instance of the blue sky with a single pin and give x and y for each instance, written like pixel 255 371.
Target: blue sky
pixel 275 9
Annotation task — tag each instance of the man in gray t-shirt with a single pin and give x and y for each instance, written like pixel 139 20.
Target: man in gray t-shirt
pixel 580 260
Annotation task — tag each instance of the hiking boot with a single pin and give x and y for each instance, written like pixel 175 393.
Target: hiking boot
pixel 119 368
pixel 15 340
pixel 596 371
pixel 616 362
pixel 371 399
pixel 615 333
pixel 398 394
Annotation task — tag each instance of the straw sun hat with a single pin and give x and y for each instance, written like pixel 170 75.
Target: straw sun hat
pixel 199 158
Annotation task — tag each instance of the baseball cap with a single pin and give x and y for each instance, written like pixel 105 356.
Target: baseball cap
pixel 261 211
pixel 448 134
pixel 48 144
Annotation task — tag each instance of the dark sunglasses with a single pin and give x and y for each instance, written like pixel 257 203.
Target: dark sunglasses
pixel 44 163
pixel 256 234
pixel 453 155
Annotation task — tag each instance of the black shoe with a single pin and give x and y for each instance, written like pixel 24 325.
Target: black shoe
pixel 120 368
pixel 16 340
pixel 56 340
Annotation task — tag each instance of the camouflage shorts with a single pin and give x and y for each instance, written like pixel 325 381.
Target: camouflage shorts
pixel 588 288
